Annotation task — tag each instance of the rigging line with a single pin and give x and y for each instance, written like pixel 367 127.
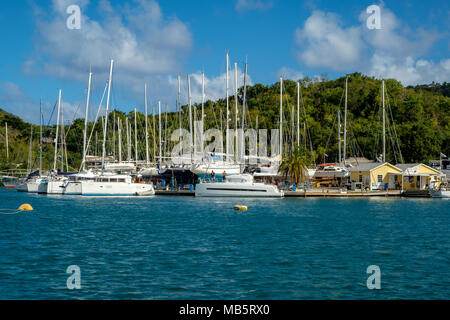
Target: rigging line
pixel 96 118
pixel 393 124
pixel 308 132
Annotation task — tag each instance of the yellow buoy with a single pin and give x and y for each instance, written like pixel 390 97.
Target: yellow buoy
pixel 240 208
pixel 25 207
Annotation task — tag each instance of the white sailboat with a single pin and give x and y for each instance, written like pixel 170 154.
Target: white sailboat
pixel 110 184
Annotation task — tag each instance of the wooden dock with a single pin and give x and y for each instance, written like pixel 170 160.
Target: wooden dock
pixel 334 194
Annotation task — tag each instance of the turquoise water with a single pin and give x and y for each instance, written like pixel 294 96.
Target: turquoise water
pixel 192 248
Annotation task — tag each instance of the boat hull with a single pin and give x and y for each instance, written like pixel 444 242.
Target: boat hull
pixel 255 190
pixel 56 187
pixel 440 193
pixel 94 188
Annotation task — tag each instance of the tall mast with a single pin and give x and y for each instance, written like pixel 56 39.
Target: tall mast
pixel 243 115
pixel 147 157
pixel 57 131
pixel 227 151
pixel 159 128
pixel 281 117
pixel 128 140
pixel 114 134
pixel 119 131
pixel 135 137
pixel 236 110
pixel 154 135
pixel 62 138
pixel 165 131
pixel 203 109
pixel 339 136
pixel 384 127
pixel 179 108
pixel 190 113
pixel 345 120
pixel 106 116
pixel 86 121
pixel 298 113
pixel 40 138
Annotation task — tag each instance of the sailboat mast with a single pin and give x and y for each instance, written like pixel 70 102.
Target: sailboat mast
pixel 86 121
pixel 203 109
pixel 345 121
pixel 228 113
pixel 119 131
pixel 281 117
pixel 339 136
pixel 57 131
pixel 128 140
pixel 159 128
pixel 106 116
pixel 236 110
pixel 384 127
pixel 154 135
pixel 298 113
pixel 135 137
pixel 190 114
pixel 40 138
pixel 243 115
pixel 147 157
pixel 165 131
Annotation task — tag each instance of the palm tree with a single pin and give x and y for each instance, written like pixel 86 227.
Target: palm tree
pixel 296 165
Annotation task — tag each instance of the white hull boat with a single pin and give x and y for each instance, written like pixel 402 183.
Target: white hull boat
pixel 115 185
pixel 241 185
pixel 440 193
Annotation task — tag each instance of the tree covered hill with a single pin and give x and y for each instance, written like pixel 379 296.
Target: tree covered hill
pixel 417 117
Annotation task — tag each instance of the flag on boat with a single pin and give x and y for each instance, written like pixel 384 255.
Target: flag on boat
pixel 443 155
pixel 326 155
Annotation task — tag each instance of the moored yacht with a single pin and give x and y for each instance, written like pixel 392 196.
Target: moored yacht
pixel 114 185
pixel 240 185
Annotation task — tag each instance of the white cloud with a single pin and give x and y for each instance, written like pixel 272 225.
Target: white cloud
pixel 394 51
pixel 410 71
pixel 145 45
pixel 324 42
pixel 244 5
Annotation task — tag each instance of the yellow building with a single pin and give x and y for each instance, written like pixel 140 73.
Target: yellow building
pixel 375 176
pixel 418 176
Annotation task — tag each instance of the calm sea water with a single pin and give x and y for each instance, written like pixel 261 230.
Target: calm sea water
pixel 191 248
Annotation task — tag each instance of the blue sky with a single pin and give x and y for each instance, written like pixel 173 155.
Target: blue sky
pixel 153 41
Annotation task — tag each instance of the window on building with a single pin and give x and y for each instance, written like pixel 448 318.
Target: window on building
pixel 380 178
pixel 360 178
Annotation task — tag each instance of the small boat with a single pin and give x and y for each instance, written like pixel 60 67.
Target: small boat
pixel 10 182
pixel 441 193
pixel 239 185
pixel 330 170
